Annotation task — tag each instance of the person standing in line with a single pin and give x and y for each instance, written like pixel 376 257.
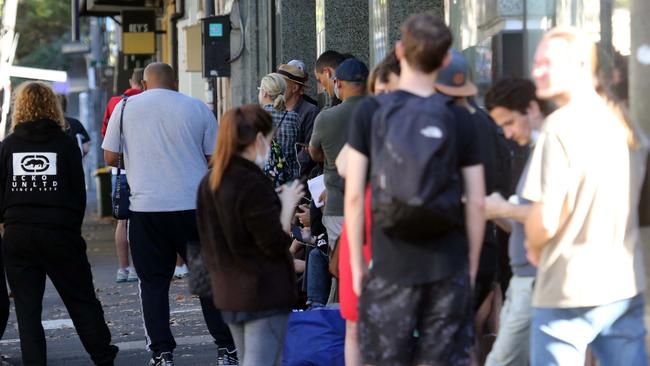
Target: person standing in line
pixel 74 128
pixel 294 94
pixel 326 143
pixel 4 303
pixel 285 122
pixel 582 232
pixel 125 272
pixel 244 227
pixel 384 78
pixel 167 140
pixel 325 72
pixel 42 205
pixel 300 64
pixel 420 279
pixel 513 105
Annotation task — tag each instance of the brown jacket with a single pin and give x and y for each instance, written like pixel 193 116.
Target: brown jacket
pixel 244 246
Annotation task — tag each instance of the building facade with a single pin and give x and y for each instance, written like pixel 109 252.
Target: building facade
pixel 498 36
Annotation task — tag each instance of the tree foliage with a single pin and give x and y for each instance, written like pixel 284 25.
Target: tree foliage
pixel 43 25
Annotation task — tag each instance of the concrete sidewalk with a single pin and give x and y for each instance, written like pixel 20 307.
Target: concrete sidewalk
pixel 122 310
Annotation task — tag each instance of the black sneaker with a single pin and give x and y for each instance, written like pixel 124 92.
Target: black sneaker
pixel 164 359
pixel 227 358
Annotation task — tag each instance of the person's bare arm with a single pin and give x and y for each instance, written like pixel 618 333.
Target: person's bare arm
pixel 289 194
pixel 85 148
pixel 295 245
pixel 316 154
pixel 496 207
pixel 474 184
pixel 342 160
pixel 354 201
pixel 537 233
pixel 111 158
pixel 505 225
pixel 299 265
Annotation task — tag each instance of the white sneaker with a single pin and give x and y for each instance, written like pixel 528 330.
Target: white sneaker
pixel 181 272
pixel 133 276
pixel 122 275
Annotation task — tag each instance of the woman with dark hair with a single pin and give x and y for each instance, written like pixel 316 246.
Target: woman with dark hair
pixel 244 228
pixel 42 204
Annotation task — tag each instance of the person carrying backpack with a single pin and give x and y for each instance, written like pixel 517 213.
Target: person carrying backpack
pixel 424 259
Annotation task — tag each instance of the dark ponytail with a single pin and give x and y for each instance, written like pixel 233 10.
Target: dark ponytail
pixel 238 129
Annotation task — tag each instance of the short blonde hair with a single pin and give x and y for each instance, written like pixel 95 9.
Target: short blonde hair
pixel 583 51
pixel 35 100
pixel 274 86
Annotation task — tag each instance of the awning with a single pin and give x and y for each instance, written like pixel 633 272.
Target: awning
pixel 109 8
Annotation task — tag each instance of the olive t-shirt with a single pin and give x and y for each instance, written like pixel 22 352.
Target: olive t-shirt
pixel 330 134
pixel 583 170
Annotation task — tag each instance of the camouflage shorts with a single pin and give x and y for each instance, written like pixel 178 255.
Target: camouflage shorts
pixel 426 324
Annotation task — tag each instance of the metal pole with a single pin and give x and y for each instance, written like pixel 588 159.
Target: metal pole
pixel 640 91
pixel 524 59
pixel 74 18
pixel 208 5
pixel 640 63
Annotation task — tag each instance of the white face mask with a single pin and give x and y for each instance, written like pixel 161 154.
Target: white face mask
pixel 336 90
pixel 534 135
pixel 262 160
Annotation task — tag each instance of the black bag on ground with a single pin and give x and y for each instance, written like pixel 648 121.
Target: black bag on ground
pixel 199 282
pixel 416 188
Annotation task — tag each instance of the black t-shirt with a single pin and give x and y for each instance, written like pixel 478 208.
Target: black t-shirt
pixel 416 262
pixel 74 128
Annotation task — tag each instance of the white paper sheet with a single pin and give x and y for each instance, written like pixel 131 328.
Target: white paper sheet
pixel 316 187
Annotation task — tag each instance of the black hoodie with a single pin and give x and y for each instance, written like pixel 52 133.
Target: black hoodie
pixel 41 177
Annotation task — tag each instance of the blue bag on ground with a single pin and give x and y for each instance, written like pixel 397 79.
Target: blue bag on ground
pixel 315 338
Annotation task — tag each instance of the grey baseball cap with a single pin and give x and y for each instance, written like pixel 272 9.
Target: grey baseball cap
pixel 453 80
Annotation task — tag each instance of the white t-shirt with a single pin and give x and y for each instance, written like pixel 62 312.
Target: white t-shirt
pixel 583 169
pixel 166 138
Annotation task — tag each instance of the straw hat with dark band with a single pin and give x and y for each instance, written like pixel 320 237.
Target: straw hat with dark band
pixel 292 73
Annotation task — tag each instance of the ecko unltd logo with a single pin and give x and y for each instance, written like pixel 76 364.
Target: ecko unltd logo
pixel 34 163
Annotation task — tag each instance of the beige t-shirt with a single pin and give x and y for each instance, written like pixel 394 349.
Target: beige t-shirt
pixel 582 162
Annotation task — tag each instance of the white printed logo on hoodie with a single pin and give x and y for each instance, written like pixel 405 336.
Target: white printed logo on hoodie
pixel 34 172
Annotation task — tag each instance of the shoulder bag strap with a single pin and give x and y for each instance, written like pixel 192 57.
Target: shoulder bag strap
pixel 120 162
pixel 280 124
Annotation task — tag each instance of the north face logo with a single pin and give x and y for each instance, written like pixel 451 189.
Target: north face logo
pixel 34 163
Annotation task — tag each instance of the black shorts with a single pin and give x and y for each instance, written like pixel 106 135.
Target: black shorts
pixel 428 324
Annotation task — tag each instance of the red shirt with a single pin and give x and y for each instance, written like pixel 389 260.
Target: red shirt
pixel 111 106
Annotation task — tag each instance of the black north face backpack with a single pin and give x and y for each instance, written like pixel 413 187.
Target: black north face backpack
pixel 416 189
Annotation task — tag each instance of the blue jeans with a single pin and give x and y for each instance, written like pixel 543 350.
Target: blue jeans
pixel 319 280
pixel 615 333
pixel 511 347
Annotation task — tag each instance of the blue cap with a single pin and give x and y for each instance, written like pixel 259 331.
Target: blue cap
pixel 453 80
pixel 352 69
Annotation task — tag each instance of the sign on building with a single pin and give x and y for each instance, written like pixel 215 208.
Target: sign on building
pixel 138 32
